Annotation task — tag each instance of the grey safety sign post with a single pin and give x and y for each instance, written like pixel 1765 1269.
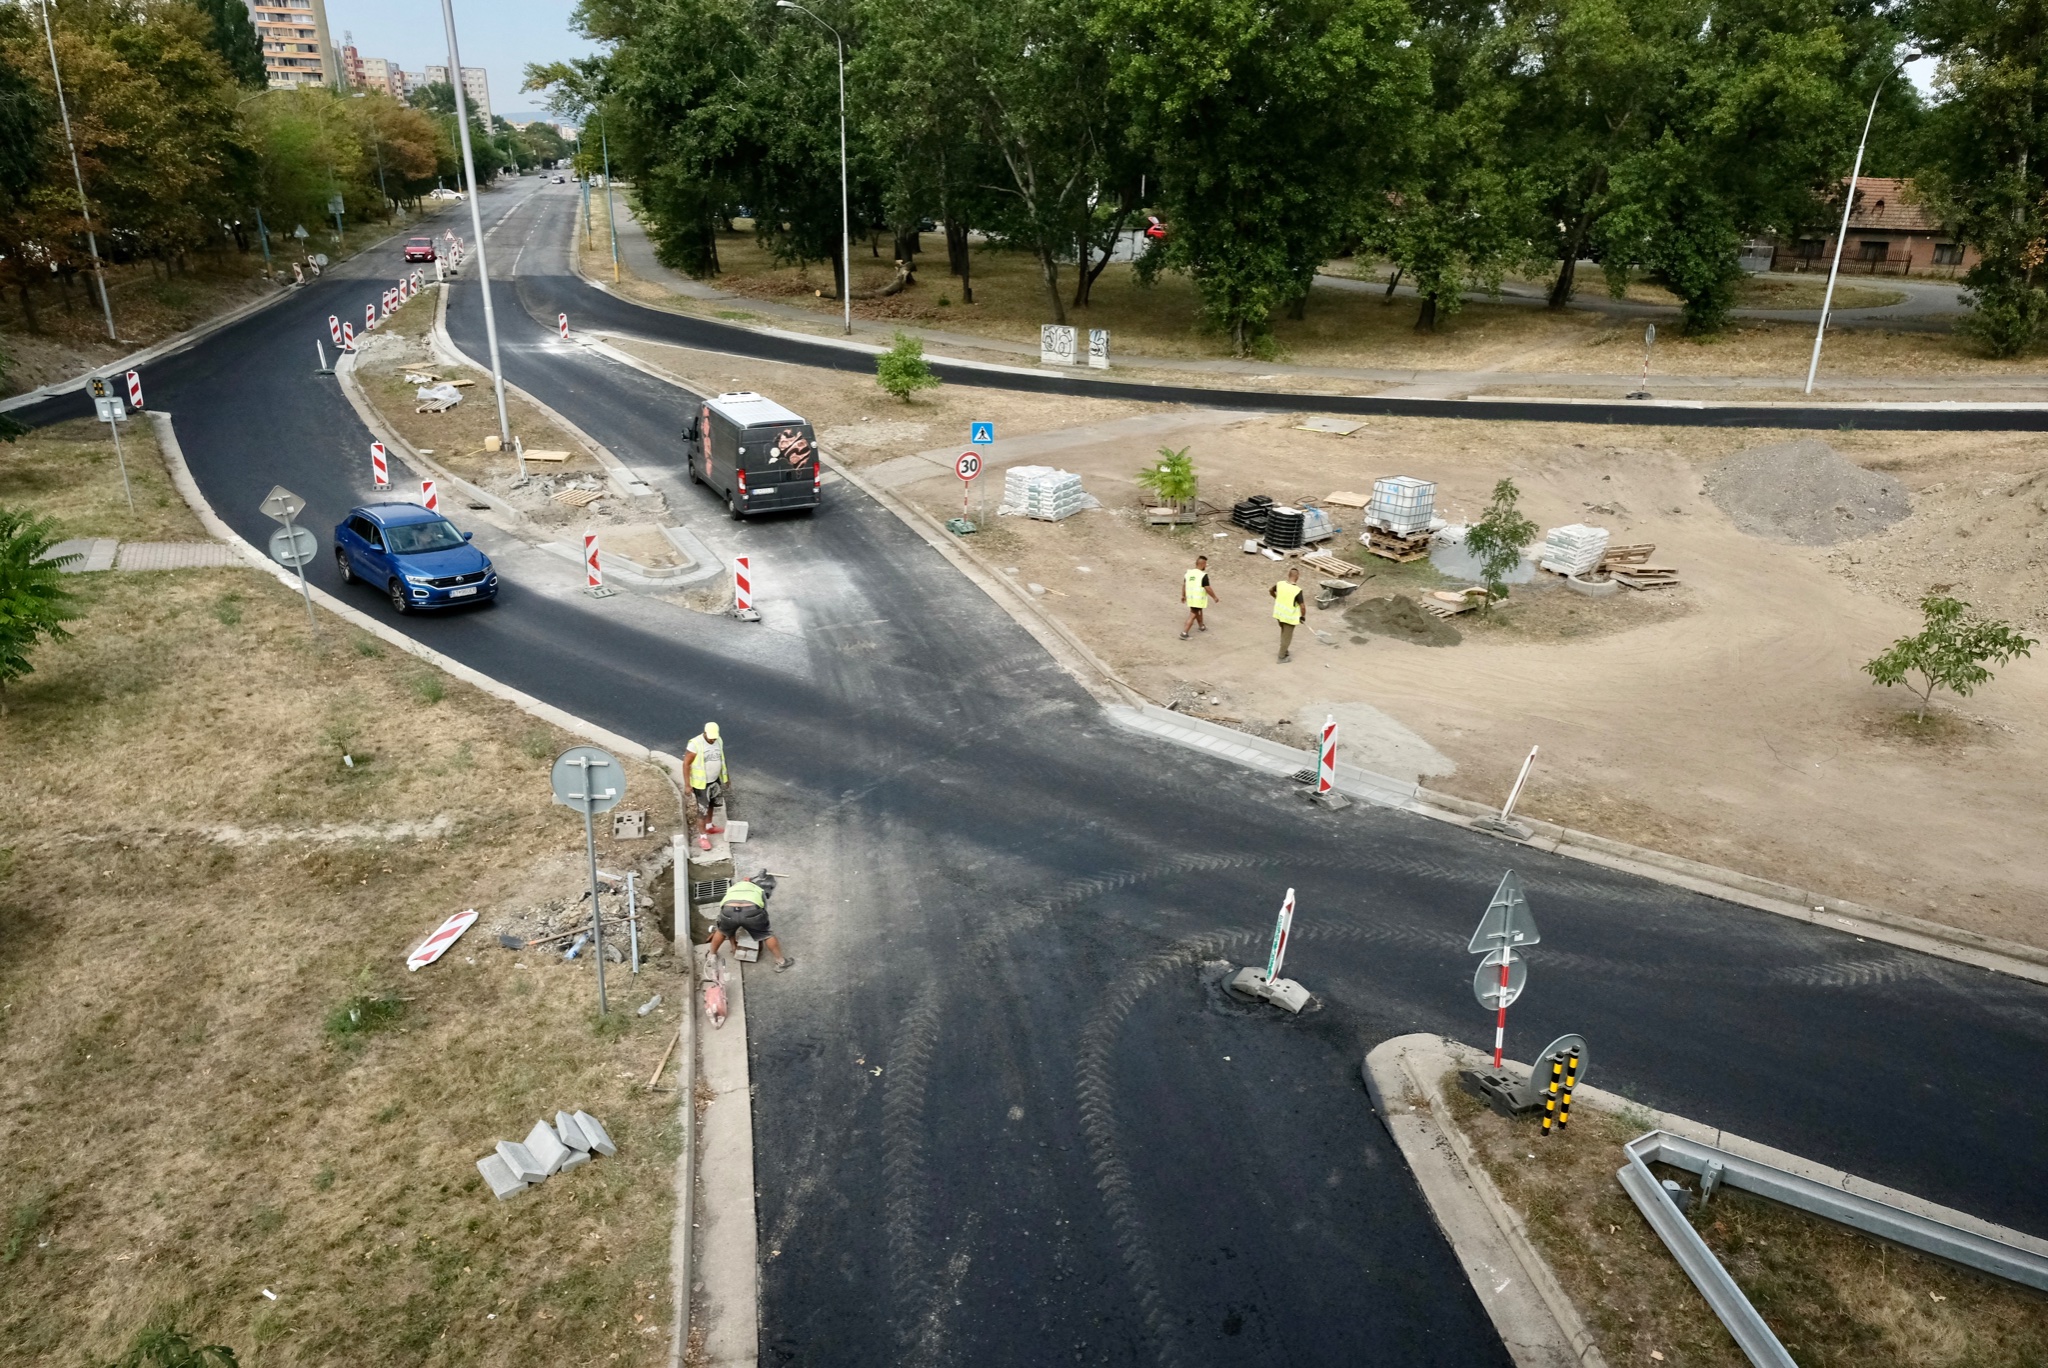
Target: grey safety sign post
pixel 1503 974
pixel 295 545
pixel 110 408
pixel 591 781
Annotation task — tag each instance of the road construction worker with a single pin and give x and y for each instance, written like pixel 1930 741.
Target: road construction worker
pixel 1196 593
pixel 746 908
pixel 1287 609
pixel 708 778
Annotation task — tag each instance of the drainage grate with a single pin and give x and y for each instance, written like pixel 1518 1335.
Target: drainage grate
pixel 708 891
pixel 1303 776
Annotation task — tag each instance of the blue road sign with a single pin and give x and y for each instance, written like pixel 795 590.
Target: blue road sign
pixel 981 434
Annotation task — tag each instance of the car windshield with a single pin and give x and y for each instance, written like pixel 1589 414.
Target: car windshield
pixel 413 539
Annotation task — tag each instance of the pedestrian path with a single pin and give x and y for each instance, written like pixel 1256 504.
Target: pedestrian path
pixel 106 553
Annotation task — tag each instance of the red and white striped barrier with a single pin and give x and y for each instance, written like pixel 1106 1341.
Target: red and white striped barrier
pixel 334 327
pixel 369 317
pixel 436 945
pixel 742 585
pixel 428 497
pixel 135 390
pixel 593 573
pixel 348 337
pixel 562 323
pixel 380 466
pixel 1326 758
pixel 1282 928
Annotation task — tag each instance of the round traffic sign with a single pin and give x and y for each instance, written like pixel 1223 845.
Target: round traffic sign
pixel 585 777
pixel 968 466
pixel 1486 982
pixel 293 547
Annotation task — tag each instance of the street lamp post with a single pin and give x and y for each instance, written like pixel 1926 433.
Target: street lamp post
pixel 611 219
pixel 845 218
pixel 476 220
pixel 92 243
pixel 1841 238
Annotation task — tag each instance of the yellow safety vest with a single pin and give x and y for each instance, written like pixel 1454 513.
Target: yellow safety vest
pixel 1198 596
pixel 698 749
pixel 1287 603
pixel 746 891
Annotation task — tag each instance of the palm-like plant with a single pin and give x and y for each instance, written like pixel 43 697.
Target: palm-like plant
pixel 1171 479
pixel 34 604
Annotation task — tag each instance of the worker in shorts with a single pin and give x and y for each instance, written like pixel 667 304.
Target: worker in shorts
pixel 708 778
pixel 1196 593
pixel 746 908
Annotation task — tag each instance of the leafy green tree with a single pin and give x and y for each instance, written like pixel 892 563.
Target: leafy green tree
pixel 1953 650
pixel 234 38
pixel 1988 137
pixel 1171 478
pixel 1267 119
pixel 1498 538
pixel 902 370
pixel 34 604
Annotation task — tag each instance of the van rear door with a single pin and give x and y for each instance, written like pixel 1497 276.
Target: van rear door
pixel 778 467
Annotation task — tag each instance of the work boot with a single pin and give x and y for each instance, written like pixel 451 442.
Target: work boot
pixel 703 842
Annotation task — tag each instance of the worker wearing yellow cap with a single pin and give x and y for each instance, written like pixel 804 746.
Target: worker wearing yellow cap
pixel 708 778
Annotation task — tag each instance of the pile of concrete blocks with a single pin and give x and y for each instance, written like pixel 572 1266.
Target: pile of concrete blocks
pixel 572 1141
pixel 1574 549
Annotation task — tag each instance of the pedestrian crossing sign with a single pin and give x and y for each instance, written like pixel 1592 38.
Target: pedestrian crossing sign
pixel 981 434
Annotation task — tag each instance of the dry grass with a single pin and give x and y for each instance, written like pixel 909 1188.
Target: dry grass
pixel 193 890
pixel 69 472
pixel 1832 1296
pixel 1342 328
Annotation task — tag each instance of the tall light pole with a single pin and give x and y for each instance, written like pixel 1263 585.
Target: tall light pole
pixel 845 218
pixel 611 219
pixel 92 242
pixel 476 218
pixel 1841 238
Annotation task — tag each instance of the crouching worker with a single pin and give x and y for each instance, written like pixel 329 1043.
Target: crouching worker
pixel 746 908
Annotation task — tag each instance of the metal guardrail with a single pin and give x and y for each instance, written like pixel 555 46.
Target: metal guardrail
pixel 1718 1167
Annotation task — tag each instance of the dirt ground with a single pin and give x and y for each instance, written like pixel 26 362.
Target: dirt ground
pixel 1831 1295
pixel 1341 328
pixel 1727 719
pixel 201 905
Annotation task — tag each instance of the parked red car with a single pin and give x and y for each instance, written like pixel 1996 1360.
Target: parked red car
pixel 419 249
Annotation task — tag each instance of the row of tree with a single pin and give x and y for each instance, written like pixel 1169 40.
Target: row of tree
pixel 1459 139
pixel 183 148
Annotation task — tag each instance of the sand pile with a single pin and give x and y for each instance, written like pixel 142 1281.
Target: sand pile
pixel 1805 492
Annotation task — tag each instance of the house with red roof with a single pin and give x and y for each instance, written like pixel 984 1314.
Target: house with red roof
pixel 1890 233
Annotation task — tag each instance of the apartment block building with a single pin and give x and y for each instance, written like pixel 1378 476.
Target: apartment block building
pixel 474 81
pixel 296 48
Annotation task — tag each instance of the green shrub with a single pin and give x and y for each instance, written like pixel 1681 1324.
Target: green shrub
pixel 902 370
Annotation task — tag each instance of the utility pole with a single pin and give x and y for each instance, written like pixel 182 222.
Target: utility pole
pixel 92 243
pixel 476 222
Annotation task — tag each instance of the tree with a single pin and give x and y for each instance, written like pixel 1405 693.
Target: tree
pixel 234 38
pixel 34 604
pixel 1989 141
pixel 1950 651
pixel 902 370
pixel 1172 479
pixel 1497 540
pixel 1266 121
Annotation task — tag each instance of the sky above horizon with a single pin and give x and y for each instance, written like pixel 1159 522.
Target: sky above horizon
pixel 501 37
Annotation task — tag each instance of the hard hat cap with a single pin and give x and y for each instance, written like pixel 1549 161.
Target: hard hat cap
pixel 711 730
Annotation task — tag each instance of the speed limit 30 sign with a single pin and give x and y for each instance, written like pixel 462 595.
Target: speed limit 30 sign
pixel 968 466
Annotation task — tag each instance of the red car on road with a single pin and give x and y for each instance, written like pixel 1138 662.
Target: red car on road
pixel 419 249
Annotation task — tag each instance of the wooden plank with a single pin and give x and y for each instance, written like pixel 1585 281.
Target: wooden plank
pixel 547 455
pixel 579 498
pixel 1344 498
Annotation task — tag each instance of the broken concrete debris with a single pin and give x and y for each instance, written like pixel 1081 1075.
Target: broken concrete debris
pixel 547 1149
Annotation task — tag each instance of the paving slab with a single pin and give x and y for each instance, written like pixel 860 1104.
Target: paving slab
pixel 546 1147
pixel 521 1161
pixel 570 1133
pixel 175 556
pixel 594 1131
pixel 576 1159
pixel 94 553
pixel 504 1182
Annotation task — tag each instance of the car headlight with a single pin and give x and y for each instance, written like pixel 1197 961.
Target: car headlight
pixel 415 579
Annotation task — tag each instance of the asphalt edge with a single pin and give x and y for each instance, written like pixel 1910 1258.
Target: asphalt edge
pixel 1132 710
pixel 1536 1321
pixel 670 767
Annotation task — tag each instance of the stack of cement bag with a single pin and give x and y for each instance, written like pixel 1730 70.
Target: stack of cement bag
pixel 1572 550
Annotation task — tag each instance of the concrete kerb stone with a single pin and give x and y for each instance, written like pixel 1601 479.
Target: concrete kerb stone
pixel 1535 1319
pixel 520 1160
pixel 594 1132
pixel 570 1133
pixel 498 1174
pixel 726 1282
pixel 546 1147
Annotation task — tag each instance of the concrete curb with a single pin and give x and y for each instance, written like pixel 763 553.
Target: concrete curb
pixel 1537 1322
pixel 728 1254
pixel 1404 1077
pixel 178 342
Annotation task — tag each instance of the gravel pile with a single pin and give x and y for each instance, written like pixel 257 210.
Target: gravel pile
pixel 1805 492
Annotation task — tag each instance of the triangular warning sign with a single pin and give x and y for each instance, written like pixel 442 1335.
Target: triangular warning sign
pixel 1508 920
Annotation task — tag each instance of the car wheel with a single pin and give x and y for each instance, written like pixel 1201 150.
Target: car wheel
pixel 398 599
pixel 342 567
pixel 734 509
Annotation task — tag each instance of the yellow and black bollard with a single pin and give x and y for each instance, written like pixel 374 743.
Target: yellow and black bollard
pixel 1550 1093
pixel 1571 1079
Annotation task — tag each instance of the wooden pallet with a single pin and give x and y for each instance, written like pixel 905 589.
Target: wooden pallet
pixel 579 498
pixel 1627 555
pixel 1388 546
pixel 1328 564
pixel 1345 498
pixel 1441 604
pixel 1662 576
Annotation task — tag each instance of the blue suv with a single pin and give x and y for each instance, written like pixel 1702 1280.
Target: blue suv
pixel 415 556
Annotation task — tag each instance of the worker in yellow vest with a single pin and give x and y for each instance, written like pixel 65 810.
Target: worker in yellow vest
pixel 1287 610
pixel 708 778
pixel 1196 593
pixel 746 906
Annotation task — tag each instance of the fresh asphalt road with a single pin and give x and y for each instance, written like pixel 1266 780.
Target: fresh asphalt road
pixel 1002 1113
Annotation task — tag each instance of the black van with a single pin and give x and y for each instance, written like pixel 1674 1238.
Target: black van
pixel 756 454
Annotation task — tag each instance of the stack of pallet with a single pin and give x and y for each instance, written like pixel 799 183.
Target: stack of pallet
pixel 1573 549
pixel 1401 518
pixel 1630 565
